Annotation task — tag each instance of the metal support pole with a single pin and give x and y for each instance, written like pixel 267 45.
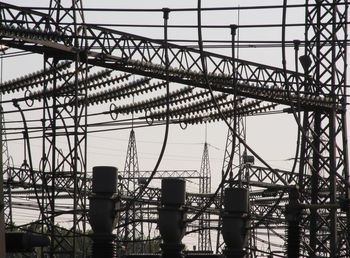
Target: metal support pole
pixel 2 204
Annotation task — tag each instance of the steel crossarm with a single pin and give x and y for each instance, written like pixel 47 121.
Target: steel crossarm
pixel 141 55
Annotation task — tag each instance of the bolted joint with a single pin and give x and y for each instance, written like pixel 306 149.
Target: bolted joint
pixel 25 135
pixel 166 12
pixel 233 29
pixel 296 43
pixel 15 103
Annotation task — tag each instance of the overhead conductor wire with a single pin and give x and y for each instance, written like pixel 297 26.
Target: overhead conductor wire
pixel 142 188
pixel 235 134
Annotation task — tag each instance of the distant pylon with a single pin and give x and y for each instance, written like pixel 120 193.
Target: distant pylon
pixel 131 167
pixel 204 237
pixel 132 232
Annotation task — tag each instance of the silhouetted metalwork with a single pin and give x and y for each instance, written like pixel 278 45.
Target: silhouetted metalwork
pixel 56 183
pixel 204 234
pixel 131 234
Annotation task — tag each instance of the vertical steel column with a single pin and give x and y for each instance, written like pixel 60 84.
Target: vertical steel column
pixel 325 140
pixel 63 163
pixel 6 162
pixel 232 147
pixel 2 203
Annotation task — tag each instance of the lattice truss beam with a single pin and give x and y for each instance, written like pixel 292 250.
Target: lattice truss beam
pixel 141 55
pixel 204 234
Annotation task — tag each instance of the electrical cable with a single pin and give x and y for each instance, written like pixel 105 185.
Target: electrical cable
pixel 273 208
pixel 166 56
pixel 235 134
pixel 180 26
pixel 287 85
pixel 30 157
pixel 151 10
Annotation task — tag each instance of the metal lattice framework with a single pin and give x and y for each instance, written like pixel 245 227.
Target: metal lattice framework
pixel 132 218
pixel 324 156
pixel 67 87
pixel 204 235
pixel 233 168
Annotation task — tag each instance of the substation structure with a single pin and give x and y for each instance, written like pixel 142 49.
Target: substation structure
pixel 304 212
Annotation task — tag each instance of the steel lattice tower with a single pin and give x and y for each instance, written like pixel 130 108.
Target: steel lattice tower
pixel 132 231
pixel 63 165
pixel 204 236
pixel 324 151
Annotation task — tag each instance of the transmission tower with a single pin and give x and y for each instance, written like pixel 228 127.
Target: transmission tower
pixel 132 232
pixel 204 236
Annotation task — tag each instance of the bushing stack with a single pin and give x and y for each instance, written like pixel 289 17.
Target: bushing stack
pixel 24 242
pixel 103 211
pixel 172 217
pixel 235 222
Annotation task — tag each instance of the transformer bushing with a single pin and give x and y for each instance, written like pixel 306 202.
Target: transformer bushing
pixel 23 242
pixel 235 221
pixel 172 216
pixel 103 211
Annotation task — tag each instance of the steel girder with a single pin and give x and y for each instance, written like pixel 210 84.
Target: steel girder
pixel 131 53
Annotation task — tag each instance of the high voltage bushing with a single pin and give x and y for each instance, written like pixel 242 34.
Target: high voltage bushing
pixel 21 242
pixel 104 211
pixel 172 216
pixel 235 222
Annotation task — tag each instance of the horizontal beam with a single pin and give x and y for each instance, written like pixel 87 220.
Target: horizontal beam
pixel 135 54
